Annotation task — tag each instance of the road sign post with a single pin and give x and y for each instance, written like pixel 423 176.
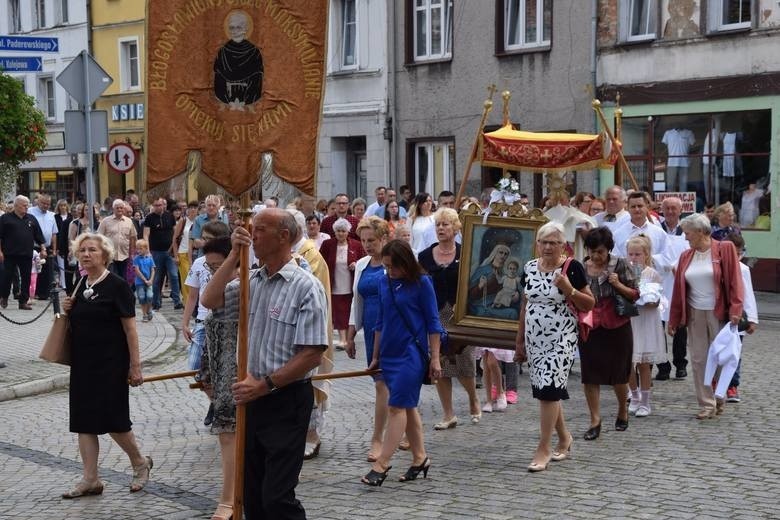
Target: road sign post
pixel 85 80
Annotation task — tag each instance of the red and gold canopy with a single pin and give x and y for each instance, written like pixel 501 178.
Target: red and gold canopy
pixel 544 152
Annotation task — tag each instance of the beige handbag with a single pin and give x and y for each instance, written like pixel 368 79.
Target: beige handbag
pixel 56 348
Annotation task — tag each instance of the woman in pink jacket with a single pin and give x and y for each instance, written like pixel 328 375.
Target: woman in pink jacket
pixel 708 292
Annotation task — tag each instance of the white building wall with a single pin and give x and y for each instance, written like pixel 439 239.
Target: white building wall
pixel 355 101
pixel 73 38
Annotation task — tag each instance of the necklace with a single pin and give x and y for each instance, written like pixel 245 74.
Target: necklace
pixel 89 291
pixel 443 252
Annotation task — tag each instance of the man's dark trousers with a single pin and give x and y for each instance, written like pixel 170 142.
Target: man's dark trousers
pixel 679 351
pixel 24 264
pixel 276 427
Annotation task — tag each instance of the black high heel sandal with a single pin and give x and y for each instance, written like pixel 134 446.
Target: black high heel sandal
pixel 414 471
pixel 375 478
pixel 621 425
pixel 593 433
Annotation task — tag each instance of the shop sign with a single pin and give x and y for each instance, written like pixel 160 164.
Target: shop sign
pixel 127 112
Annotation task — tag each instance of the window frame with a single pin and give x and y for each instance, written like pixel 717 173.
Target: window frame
pixel 447 25
pixel 626 21
pixel 14 23
pixel 125 63
pixel 343 30
pixel 715 17
pixel 449 180
pixel 62 11
pixel 39 14
pixel 522 9
pixel 47 103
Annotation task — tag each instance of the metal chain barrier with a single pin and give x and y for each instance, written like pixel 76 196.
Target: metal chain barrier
pixel 55 296
pixel 11 320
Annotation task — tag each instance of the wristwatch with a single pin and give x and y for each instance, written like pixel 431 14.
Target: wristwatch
pixel 270 384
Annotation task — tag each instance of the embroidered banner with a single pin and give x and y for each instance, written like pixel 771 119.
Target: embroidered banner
pixel 544 152
pixel 234 79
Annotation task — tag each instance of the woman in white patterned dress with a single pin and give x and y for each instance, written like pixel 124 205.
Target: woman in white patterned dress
pixel 547 335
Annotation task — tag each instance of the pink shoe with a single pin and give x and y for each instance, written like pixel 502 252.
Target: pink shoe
pixel 511 396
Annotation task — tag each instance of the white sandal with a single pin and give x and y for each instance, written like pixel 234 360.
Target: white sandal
pixel 141 475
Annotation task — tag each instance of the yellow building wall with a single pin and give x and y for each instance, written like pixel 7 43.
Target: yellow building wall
pixel 112 22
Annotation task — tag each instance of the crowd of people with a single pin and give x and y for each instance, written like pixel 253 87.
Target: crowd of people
pixel 390 269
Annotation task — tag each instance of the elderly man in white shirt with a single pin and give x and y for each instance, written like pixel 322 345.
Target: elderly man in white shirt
pixel 614 213
pixel 639 223
pixel 48 226
pixel 671 208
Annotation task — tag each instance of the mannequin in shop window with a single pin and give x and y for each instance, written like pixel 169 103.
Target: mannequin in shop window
pixel 748 210
pixel 710 162
pixel 678 142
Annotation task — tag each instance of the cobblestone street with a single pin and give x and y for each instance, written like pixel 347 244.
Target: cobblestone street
pixel 668 465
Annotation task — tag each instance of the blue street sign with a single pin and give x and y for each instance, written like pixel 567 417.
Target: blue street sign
pixel 21 64
pixel 29 44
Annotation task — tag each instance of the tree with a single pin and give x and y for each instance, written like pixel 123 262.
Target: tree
pixel 22 130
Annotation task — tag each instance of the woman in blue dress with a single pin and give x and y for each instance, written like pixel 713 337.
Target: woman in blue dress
pixel 364 312
pixel 407 327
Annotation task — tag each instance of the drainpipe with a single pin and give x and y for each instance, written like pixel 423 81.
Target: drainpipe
pixel 391 116
pixel 593 58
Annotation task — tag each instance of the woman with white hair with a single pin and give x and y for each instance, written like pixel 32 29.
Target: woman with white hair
pixel 340 254
pixel 547 335
pixel 708 293
pixel 104 358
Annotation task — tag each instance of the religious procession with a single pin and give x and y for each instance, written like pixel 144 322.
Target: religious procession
pixel 248 292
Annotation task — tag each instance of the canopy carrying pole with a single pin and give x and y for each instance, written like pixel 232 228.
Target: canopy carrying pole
pixel 596 104
pixel 487 105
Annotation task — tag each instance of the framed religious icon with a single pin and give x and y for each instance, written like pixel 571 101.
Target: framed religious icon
pixel 494 251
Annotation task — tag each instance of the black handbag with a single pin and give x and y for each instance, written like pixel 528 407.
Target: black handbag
pixel 424 354
pixel 623 306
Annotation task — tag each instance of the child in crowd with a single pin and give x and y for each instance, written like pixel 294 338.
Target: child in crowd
pixel 495 391
pixel 648 332
pixel 403 232
pixel 143 263
pixel 749 321
pixel 37 266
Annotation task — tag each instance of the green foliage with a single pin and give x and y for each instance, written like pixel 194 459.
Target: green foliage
pixel 22 125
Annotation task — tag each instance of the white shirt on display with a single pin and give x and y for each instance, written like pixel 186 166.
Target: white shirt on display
pixel 678 142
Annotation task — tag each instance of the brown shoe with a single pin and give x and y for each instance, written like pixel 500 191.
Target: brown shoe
pixel 4 303
pixel 25 307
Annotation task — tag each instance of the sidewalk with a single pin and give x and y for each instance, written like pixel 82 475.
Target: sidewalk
pixel 26 375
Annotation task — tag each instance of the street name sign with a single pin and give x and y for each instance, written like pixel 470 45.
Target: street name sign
pixel 29 44
pixel 21 63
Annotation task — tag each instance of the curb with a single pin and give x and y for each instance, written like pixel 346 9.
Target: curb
pixel 39 386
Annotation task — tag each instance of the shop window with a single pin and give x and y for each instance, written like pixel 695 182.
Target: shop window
pixel 431 29
pixel 721 157
pixel 638 20
pixel 434 166
pixel 726 15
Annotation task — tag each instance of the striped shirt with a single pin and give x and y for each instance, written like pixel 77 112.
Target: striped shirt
pixel 287 311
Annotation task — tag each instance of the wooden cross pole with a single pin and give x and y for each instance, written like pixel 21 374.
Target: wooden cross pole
pixel 486 107
pixel 596 104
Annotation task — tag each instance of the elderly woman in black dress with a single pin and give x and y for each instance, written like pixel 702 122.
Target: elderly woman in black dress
pixel 606 356
pixel 441 262
pixel 104 357
pixel 547 335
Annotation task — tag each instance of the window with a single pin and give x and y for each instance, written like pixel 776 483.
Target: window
pixel 62 10
pixel 46 99
pixel 39 16
pixel 527 23
pixel 349 26
pixel 638 20
pixel 434 166
pixel 130 66
pixel 14 17
pixel 432 29
pixel 722 157
pixel 725 15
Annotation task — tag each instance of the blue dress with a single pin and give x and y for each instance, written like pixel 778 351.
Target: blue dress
pixel 399 358
pixel 368 287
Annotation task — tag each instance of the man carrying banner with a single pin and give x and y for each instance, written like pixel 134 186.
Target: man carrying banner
pixel 286 343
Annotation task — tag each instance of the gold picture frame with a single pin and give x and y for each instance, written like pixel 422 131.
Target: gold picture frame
pixel 494 251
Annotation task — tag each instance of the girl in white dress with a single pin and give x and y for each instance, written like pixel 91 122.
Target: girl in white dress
pixel 649 340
